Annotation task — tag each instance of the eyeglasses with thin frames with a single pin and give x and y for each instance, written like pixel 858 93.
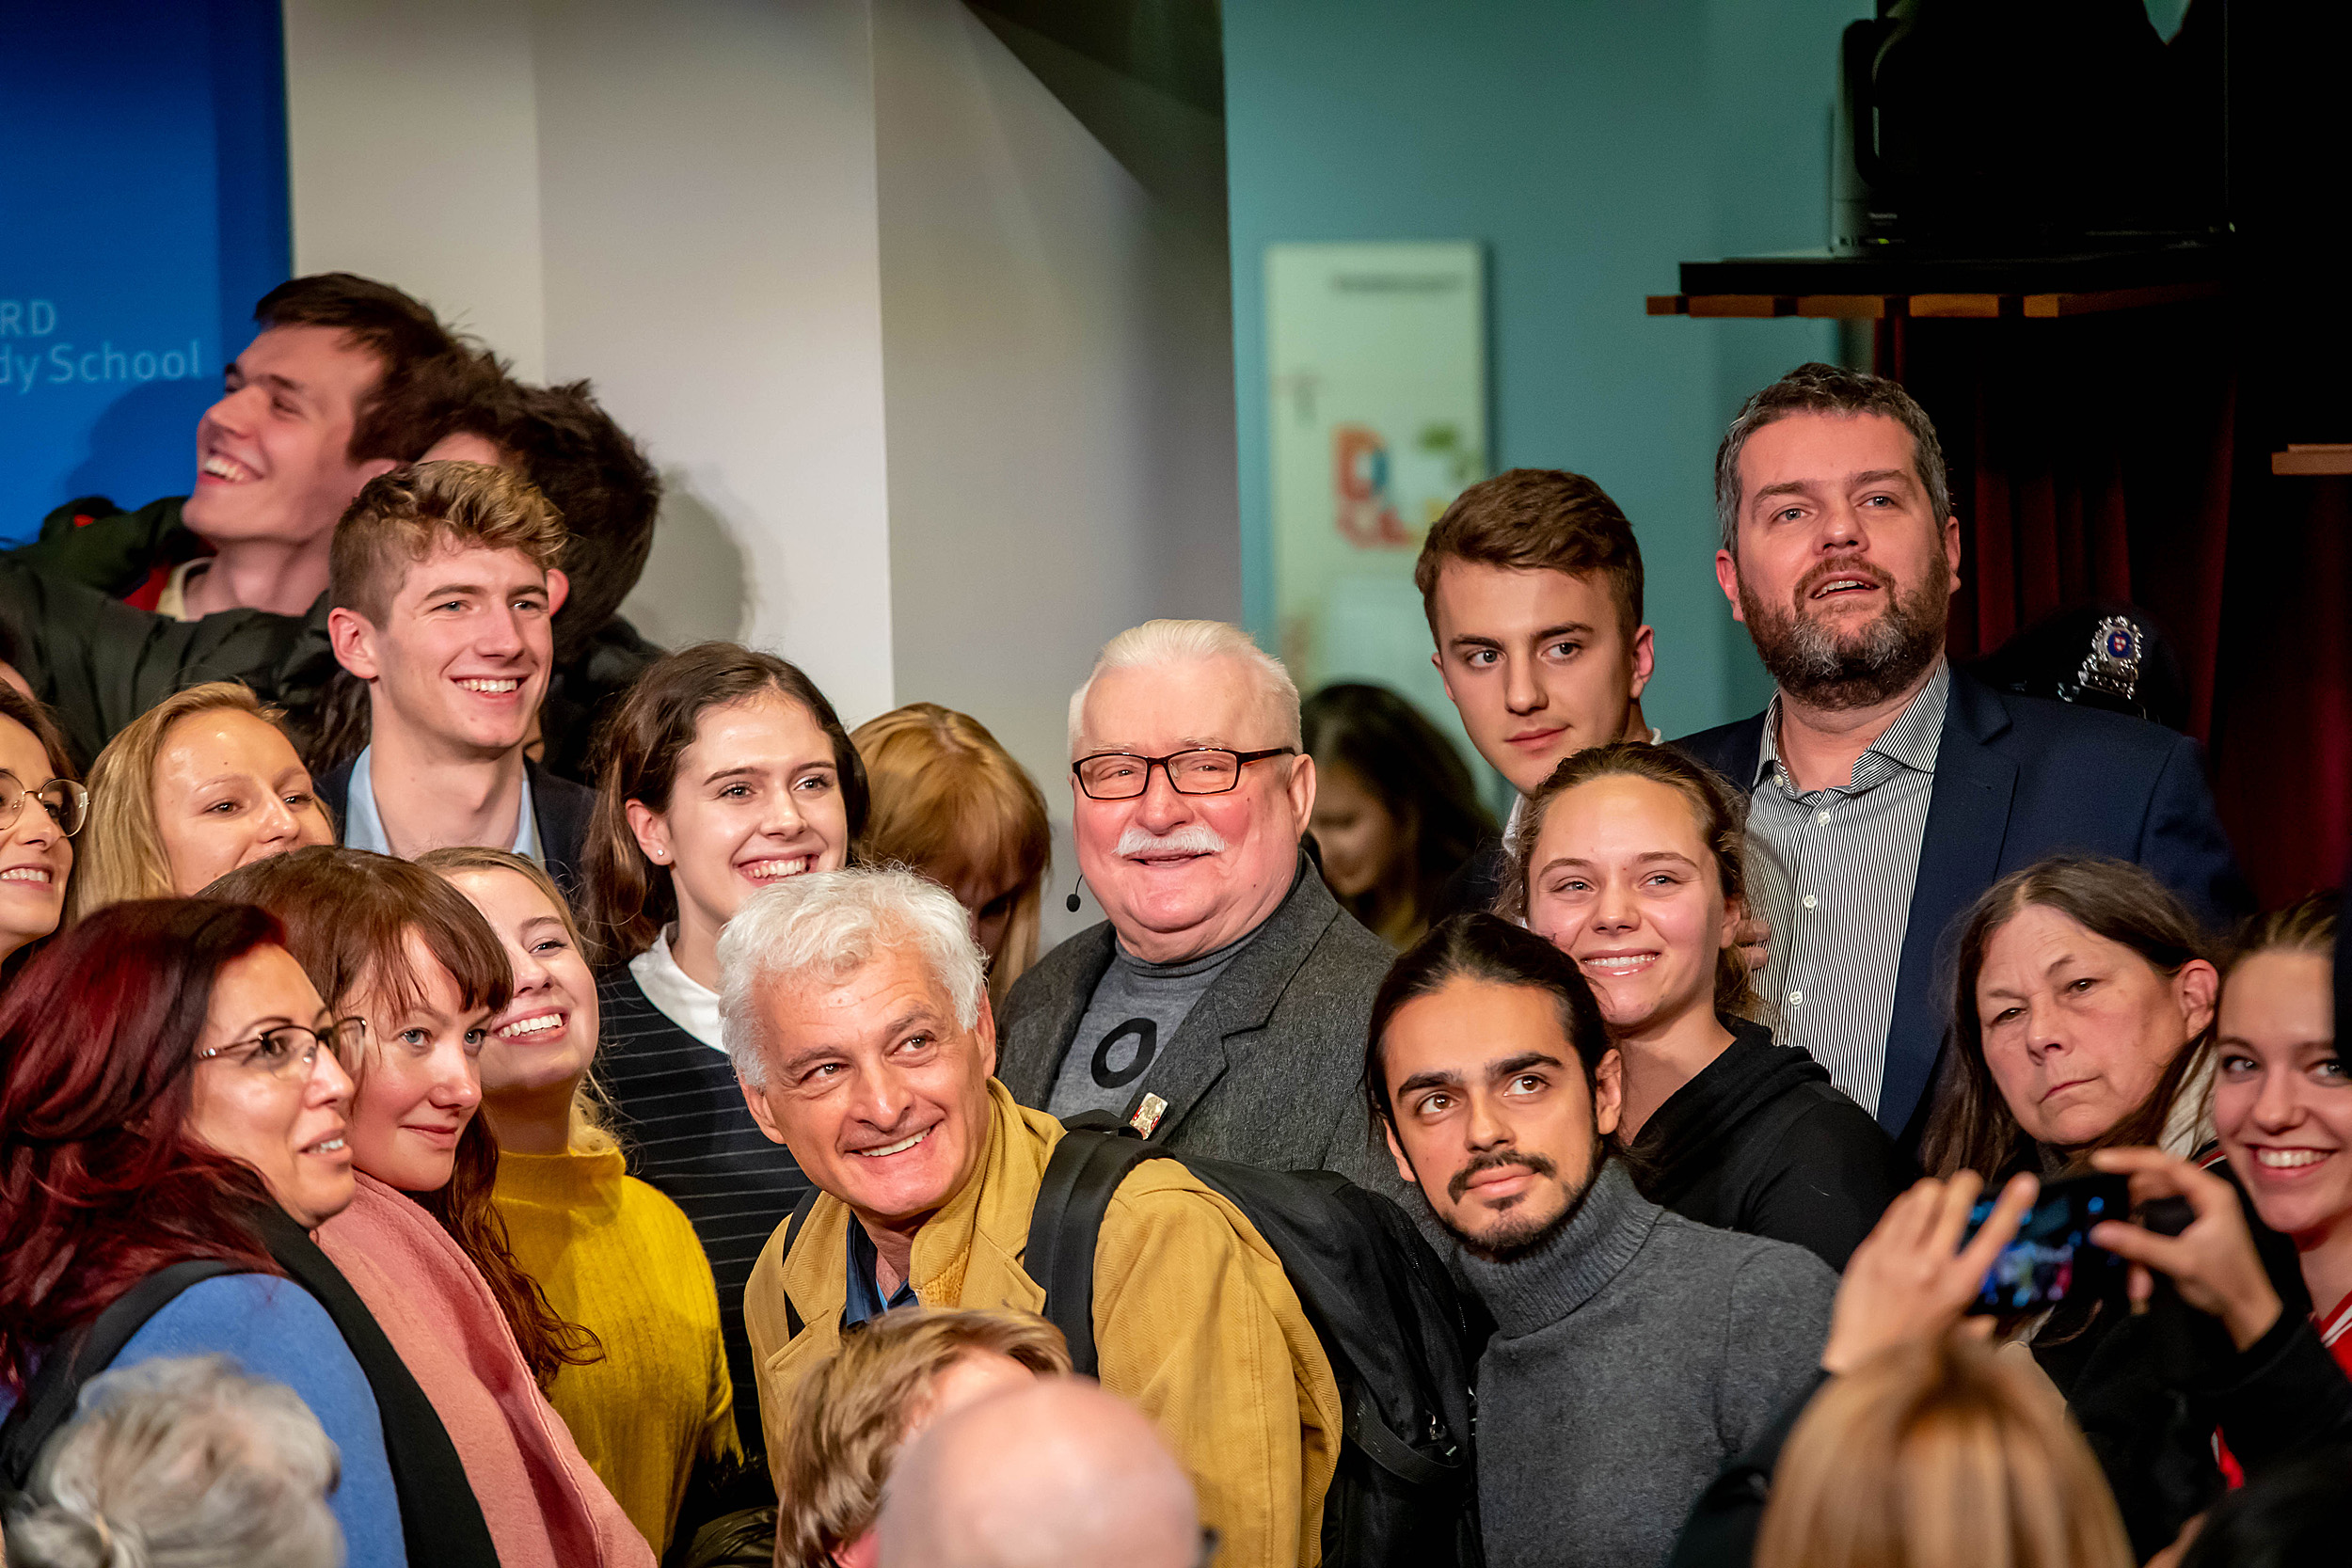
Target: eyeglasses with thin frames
pixel 67 802
pixel 292 1050
pixel 1201 771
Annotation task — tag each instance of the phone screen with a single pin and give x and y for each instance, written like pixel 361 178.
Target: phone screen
pixel 2052 1257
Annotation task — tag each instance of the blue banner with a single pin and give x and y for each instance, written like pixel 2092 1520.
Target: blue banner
pixel 143 210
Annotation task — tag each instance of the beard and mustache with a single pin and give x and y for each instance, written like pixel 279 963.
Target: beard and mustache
pixel 1835 672
pixel 1514 1235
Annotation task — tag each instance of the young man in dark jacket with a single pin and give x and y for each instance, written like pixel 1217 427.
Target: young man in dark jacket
pixel 100 662
pixel 1634 1351
pixel 443 586
pixel 348 379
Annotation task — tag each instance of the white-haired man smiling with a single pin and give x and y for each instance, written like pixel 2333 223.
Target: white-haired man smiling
pixel 855 1007
pixel 1220 1009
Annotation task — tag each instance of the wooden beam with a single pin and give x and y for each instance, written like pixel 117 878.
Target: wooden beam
pixel 2314 458
pixel 1666 305
pixel 2048 305
pixel 1843 307
pixel 1743 305
pixel 1974 306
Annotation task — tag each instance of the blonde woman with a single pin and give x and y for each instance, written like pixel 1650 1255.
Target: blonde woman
pixel 1939 1454
pixel 950 802
pixel 611 1253
pixel 198 785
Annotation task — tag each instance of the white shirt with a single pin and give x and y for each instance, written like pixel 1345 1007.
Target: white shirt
pixel 682 999
pixel 363 825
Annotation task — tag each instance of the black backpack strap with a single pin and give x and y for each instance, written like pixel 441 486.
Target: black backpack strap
pixel 49 1398
pixel 1087 1168
pixel 1364 1427
pixel 801 1210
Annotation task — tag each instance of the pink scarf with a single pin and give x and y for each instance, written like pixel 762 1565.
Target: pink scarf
pixel 545 1506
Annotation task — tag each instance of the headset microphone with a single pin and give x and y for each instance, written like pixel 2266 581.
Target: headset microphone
pixel 1073 902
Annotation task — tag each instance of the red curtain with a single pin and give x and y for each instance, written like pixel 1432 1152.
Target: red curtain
pixel 2110 457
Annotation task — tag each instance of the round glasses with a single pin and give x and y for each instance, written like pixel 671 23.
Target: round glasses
pixel 65 802
pixel 1202 770
pixel 292 1051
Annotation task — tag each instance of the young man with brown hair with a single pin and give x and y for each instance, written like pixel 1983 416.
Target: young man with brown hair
pixel 347 379
pixel 1533 585
pixel 443 584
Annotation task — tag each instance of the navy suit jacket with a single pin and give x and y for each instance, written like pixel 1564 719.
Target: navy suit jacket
pixel 2018 779
pixel 560 807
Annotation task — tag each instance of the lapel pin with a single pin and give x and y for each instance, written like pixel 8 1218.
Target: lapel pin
pixel 1147 1118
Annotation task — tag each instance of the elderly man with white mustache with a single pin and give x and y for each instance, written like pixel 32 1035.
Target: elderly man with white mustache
pixel 1221 1009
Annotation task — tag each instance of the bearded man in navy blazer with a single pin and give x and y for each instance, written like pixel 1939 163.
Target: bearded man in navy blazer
pixel 1888 789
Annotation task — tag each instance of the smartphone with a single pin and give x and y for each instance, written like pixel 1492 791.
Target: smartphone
pixel 2052 1257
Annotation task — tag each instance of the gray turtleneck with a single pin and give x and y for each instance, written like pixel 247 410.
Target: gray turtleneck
pixel 1634 1353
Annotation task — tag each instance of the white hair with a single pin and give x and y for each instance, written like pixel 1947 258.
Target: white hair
pixel 823 925
pixel 1158 643
pixel 184 1462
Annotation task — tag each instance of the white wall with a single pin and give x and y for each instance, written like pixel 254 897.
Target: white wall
pixel 414 142
pixel 1057 375
pixel 707 175
pixel 943 397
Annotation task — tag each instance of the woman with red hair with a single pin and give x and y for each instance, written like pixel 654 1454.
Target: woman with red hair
pixel 173 1093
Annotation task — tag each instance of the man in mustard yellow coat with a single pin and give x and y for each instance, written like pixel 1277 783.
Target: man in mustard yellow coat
pixel 856 1009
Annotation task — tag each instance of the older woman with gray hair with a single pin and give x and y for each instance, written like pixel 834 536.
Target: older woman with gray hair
pixel 182 1463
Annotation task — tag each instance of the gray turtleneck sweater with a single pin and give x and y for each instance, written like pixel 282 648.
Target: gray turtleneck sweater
pixel 1634 1353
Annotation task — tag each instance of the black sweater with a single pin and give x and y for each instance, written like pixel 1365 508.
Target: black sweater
pixel 1762 1142
pixel 690 1136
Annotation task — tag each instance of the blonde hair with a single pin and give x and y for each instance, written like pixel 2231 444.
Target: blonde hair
pixel 947 799
pixel 1158 643
pixel 399 517
pixel 852 1413
pixel 592 1112
pixel 1939 1455
pixel 121 850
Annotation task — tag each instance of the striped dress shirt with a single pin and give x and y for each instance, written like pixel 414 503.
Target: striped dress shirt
pixel 1832 869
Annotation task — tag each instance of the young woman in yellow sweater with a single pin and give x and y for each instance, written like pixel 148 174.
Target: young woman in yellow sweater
pixel 611 1253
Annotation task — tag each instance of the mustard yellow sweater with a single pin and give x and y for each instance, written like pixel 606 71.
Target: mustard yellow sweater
pixel 616 1256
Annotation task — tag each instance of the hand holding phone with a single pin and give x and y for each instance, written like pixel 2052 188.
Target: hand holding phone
pixel 2208 1254
pixel 1912 1276
pixel 2053 1258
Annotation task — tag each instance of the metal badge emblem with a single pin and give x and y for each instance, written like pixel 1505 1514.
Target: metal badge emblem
pixel 1148 1115
pixel 2117 648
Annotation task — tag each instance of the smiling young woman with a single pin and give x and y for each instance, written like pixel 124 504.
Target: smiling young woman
pixel 40 809
pixel 723 770
pixel 400 949
pixel 200 783
pixel 1629 859
pixel 2282 1102
pixel 611 1253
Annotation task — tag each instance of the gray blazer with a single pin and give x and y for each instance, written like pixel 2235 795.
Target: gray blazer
pixel 1266 1070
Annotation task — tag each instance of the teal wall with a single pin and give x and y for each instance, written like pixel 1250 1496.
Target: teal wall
pixel 1590 146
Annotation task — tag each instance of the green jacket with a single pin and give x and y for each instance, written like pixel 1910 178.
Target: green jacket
pixel 93 540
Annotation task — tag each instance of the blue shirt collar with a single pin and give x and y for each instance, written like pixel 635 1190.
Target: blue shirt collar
pixel 363 825
pixel 864 1299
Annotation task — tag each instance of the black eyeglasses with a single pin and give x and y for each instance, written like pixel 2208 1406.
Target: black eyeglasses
pixel 1202 770
pixel 65 802
pixel 292 1051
